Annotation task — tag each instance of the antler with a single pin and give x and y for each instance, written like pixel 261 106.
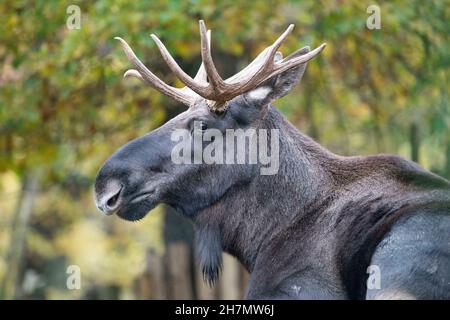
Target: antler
pixel 217 91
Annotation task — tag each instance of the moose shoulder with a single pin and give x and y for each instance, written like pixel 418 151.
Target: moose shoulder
pixel 310 231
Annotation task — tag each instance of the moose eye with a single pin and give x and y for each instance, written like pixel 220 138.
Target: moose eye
pixel 200 125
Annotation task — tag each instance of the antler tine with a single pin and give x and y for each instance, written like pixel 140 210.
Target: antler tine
pixel 215 80
pixel 276 45
pixel 289 62
pixel 133 73
pixel 175 68
pixel 201 73
pixel 259 67
pixel 146 75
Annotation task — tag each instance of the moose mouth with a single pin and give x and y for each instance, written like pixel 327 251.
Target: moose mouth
pixel 138 206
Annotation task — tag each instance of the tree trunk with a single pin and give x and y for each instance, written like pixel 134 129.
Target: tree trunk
pixel 178 235
pixel 243 281
pixel 19 228
pixel 447 161
pixel 230 279
pixel 179 270
pixel 309 112
pixel 151 284
pixel 415 142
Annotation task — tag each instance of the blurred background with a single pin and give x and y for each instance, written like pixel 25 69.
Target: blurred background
pixel 64 108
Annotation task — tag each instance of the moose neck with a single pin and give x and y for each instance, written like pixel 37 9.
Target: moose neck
pixel 249 214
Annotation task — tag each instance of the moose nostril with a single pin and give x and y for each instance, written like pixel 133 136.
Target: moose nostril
pixel 109 199
pixel 113 200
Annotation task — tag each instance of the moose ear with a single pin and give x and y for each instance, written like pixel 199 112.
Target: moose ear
pixel 280 85
pixel 287 80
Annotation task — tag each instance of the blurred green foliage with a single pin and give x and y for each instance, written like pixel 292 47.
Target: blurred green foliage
pixel 64 107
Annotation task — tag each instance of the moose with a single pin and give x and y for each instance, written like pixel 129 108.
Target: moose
pixel 313 230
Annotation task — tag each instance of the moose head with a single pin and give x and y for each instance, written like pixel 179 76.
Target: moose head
pixel 141 174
